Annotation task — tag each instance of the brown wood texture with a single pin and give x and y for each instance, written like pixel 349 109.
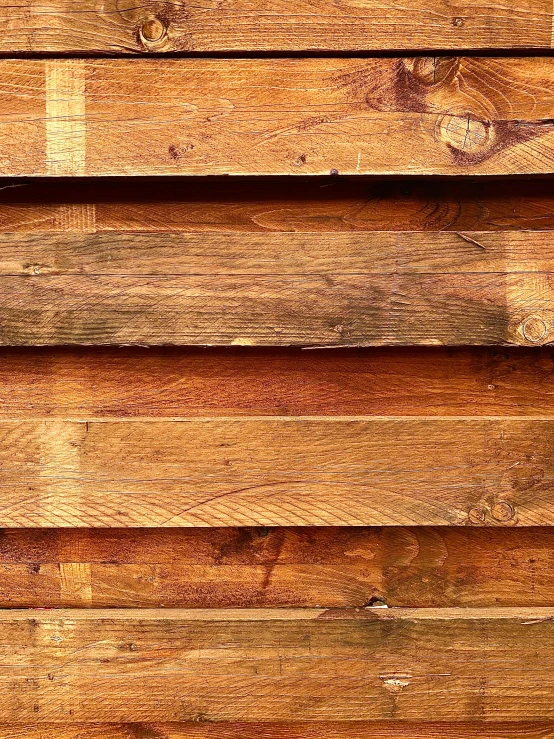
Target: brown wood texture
pixel 257 567
pixel 126 27
pixel 280 204
pixel 289 116
pixel 281 730
pixel 215 263
pixel 276 471
pixel 90 383
pixel 277 289
pixel 237 665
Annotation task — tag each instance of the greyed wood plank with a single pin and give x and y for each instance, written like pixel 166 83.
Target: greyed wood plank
pixel 284 254
pixel 263 665
pixel 282 730
pixel 280 471
pixel 76 26
pixel 123 382
pixel 277 289
pixel 287 116
pixel 252 567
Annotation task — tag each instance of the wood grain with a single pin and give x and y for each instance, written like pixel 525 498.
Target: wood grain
pixel 277 289
pixel 253 567
pixel 180 382
pixel 287 116
pixel 263 665
pixel 282 730
pixel 276 471
pixel 113 26
pixel 276 204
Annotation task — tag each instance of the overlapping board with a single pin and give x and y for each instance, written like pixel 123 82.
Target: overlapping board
pixel 88 273
pixel 272 665
pixel 347 567
pixel 126 27
pixel 169 439
pixel 426 115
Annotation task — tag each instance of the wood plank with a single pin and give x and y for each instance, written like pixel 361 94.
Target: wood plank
pixel 261 204
pixel 304 567
pixel 237 665
pixel 132 382
pixel 91 26
pixel 276 471
pixel 282 730
pixel 277 289
pixel 287 116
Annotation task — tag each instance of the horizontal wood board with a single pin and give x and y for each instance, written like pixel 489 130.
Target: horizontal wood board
pixel 124 27
pixel 282 730
pixel 277 289
pixel 207 263
pixel 276 471
pixel 329 665
pixel 88 383
pixel 277 567
pixel 154 116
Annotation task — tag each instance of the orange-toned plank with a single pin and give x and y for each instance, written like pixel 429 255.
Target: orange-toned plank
pixel 276 471
pixel 272 665
pixel 426 115
pixel 122 382
pixel 113 26
pixel 227 568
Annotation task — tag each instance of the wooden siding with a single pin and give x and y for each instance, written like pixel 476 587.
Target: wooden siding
pixel 112 27
pixel 273 117
pixel 216 665
pixel 277 567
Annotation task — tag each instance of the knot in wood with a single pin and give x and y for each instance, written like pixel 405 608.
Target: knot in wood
pixel 152 31
pixel 502 511
pixel 432 70
pixel 464 133
pixel 534 329
pixel 476 515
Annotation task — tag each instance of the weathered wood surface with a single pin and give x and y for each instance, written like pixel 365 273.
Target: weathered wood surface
pixel 125 27
pixel 102 382
pixel 258 204
pixel 288 116
pixel 263 665
pixel 252 567
pixel 277 289
pixel 282 730
pixel 276 471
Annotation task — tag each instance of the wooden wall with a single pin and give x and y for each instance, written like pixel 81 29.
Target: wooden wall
pixel 276 449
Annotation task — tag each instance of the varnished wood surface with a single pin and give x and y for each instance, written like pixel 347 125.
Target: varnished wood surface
pixel 277 289
pixel 277 567
pixel 93 383
pixel 91 26
pixel 276 471
pixel 282 730
pixel 263 665
pixel 288 116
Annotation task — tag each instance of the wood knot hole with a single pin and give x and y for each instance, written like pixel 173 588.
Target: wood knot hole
pixel 534 329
